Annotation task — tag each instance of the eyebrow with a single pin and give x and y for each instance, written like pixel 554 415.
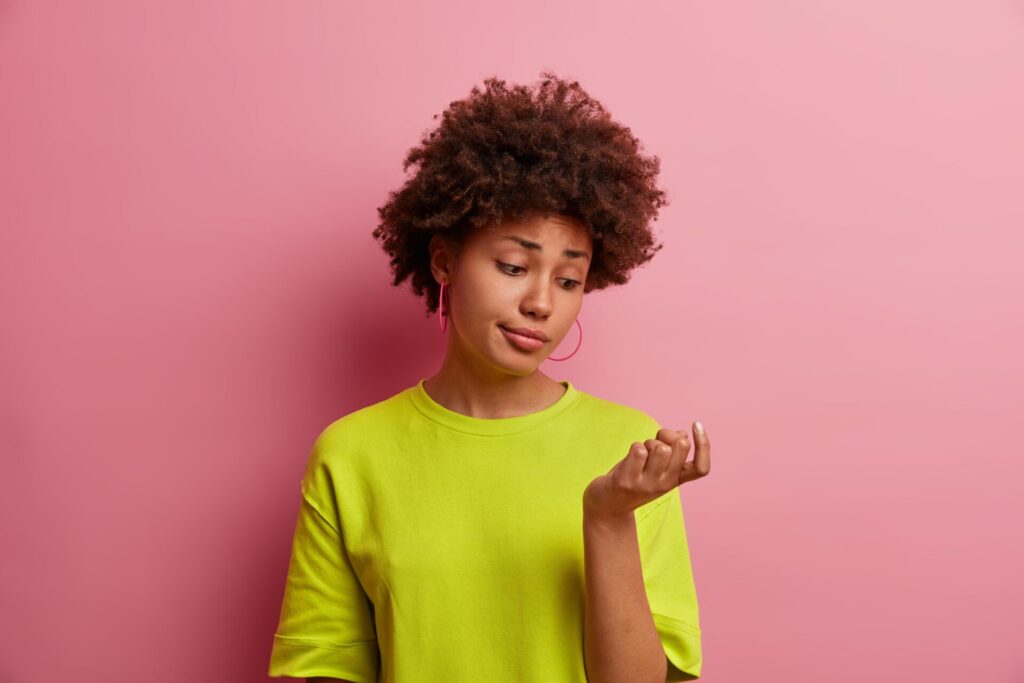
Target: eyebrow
pixel 568 253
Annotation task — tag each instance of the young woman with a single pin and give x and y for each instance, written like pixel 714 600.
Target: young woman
pixel 491 523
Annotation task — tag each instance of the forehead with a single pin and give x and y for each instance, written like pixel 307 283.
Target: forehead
pixel 552 232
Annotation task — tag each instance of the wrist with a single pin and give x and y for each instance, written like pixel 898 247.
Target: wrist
pixel 594 517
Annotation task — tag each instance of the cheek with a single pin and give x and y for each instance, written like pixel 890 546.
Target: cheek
pixel 492 295
pixel 483 301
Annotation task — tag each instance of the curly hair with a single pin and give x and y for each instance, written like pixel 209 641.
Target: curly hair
pixel 506 152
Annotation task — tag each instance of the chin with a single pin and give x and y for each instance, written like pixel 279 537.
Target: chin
pixel 515 362
pixel 523 372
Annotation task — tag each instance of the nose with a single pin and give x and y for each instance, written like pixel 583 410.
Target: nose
pixel 537 302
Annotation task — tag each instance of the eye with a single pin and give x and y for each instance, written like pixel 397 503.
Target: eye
pixel 569 286
pixel 502 266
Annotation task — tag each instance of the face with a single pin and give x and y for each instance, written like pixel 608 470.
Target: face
pixel 528 273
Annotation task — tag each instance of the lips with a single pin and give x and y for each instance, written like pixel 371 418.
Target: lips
pixel 521 341
pixel 526 332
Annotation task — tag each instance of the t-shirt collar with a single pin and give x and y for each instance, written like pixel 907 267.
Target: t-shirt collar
pixel 500 426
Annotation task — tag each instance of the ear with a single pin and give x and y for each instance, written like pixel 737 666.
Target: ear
pixel 442 261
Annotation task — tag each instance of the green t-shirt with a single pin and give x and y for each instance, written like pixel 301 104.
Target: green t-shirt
pixel 435 546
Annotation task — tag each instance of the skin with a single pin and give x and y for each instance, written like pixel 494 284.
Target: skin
pixel 491 280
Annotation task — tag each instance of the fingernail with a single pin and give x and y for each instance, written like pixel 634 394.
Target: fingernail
pixel 699 426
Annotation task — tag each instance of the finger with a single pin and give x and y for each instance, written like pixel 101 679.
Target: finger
pixel 670 436
pixel 678 439
pixel 680 451
pixel 658 456
pixel 701 464
pixel 684 439
pixel 702 449
pixel 633 463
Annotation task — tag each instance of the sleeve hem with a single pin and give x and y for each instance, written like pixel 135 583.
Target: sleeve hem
pixel 302 658
pixel 306 642
pixel 683 626
pixel 682 644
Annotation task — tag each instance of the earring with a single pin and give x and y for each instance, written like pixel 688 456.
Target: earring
pixel 577 343
pixel 442 319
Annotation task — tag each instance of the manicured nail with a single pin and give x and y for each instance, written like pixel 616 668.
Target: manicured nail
pixel 699 426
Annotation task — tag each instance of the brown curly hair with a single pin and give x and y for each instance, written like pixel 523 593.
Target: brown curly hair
pixel 506 152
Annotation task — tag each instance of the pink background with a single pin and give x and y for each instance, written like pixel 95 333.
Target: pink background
pixel 190 292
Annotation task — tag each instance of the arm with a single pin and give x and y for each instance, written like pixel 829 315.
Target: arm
pixel 620 640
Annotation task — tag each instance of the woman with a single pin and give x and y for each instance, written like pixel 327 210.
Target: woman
pixel 490 522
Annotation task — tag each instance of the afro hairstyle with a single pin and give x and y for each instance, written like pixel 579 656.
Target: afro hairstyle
pixel 505 152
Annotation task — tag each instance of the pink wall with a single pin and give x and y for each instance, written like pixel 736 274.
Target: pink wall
pixel 187 192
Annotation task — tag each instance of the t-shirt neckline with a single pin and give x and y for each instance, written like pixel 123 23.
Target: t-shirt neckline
pixel 490 426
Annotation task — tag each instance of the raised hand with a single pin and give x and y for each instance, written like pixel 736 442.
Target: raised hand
pixel 650 469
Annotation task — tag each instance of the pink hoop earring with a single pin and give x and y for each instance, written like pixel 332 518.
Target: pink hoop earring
pixel 442 319
pixel 577 343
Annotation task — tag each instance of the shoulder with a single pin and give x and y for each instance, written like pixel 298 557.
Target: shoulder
pixel 367 418
pixel 617 414
pixel 341 446
pixel 358 429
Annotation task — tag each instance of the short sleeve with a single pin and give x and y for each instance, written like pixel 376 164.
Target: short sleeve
pixel 326 625
pixel 668 578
